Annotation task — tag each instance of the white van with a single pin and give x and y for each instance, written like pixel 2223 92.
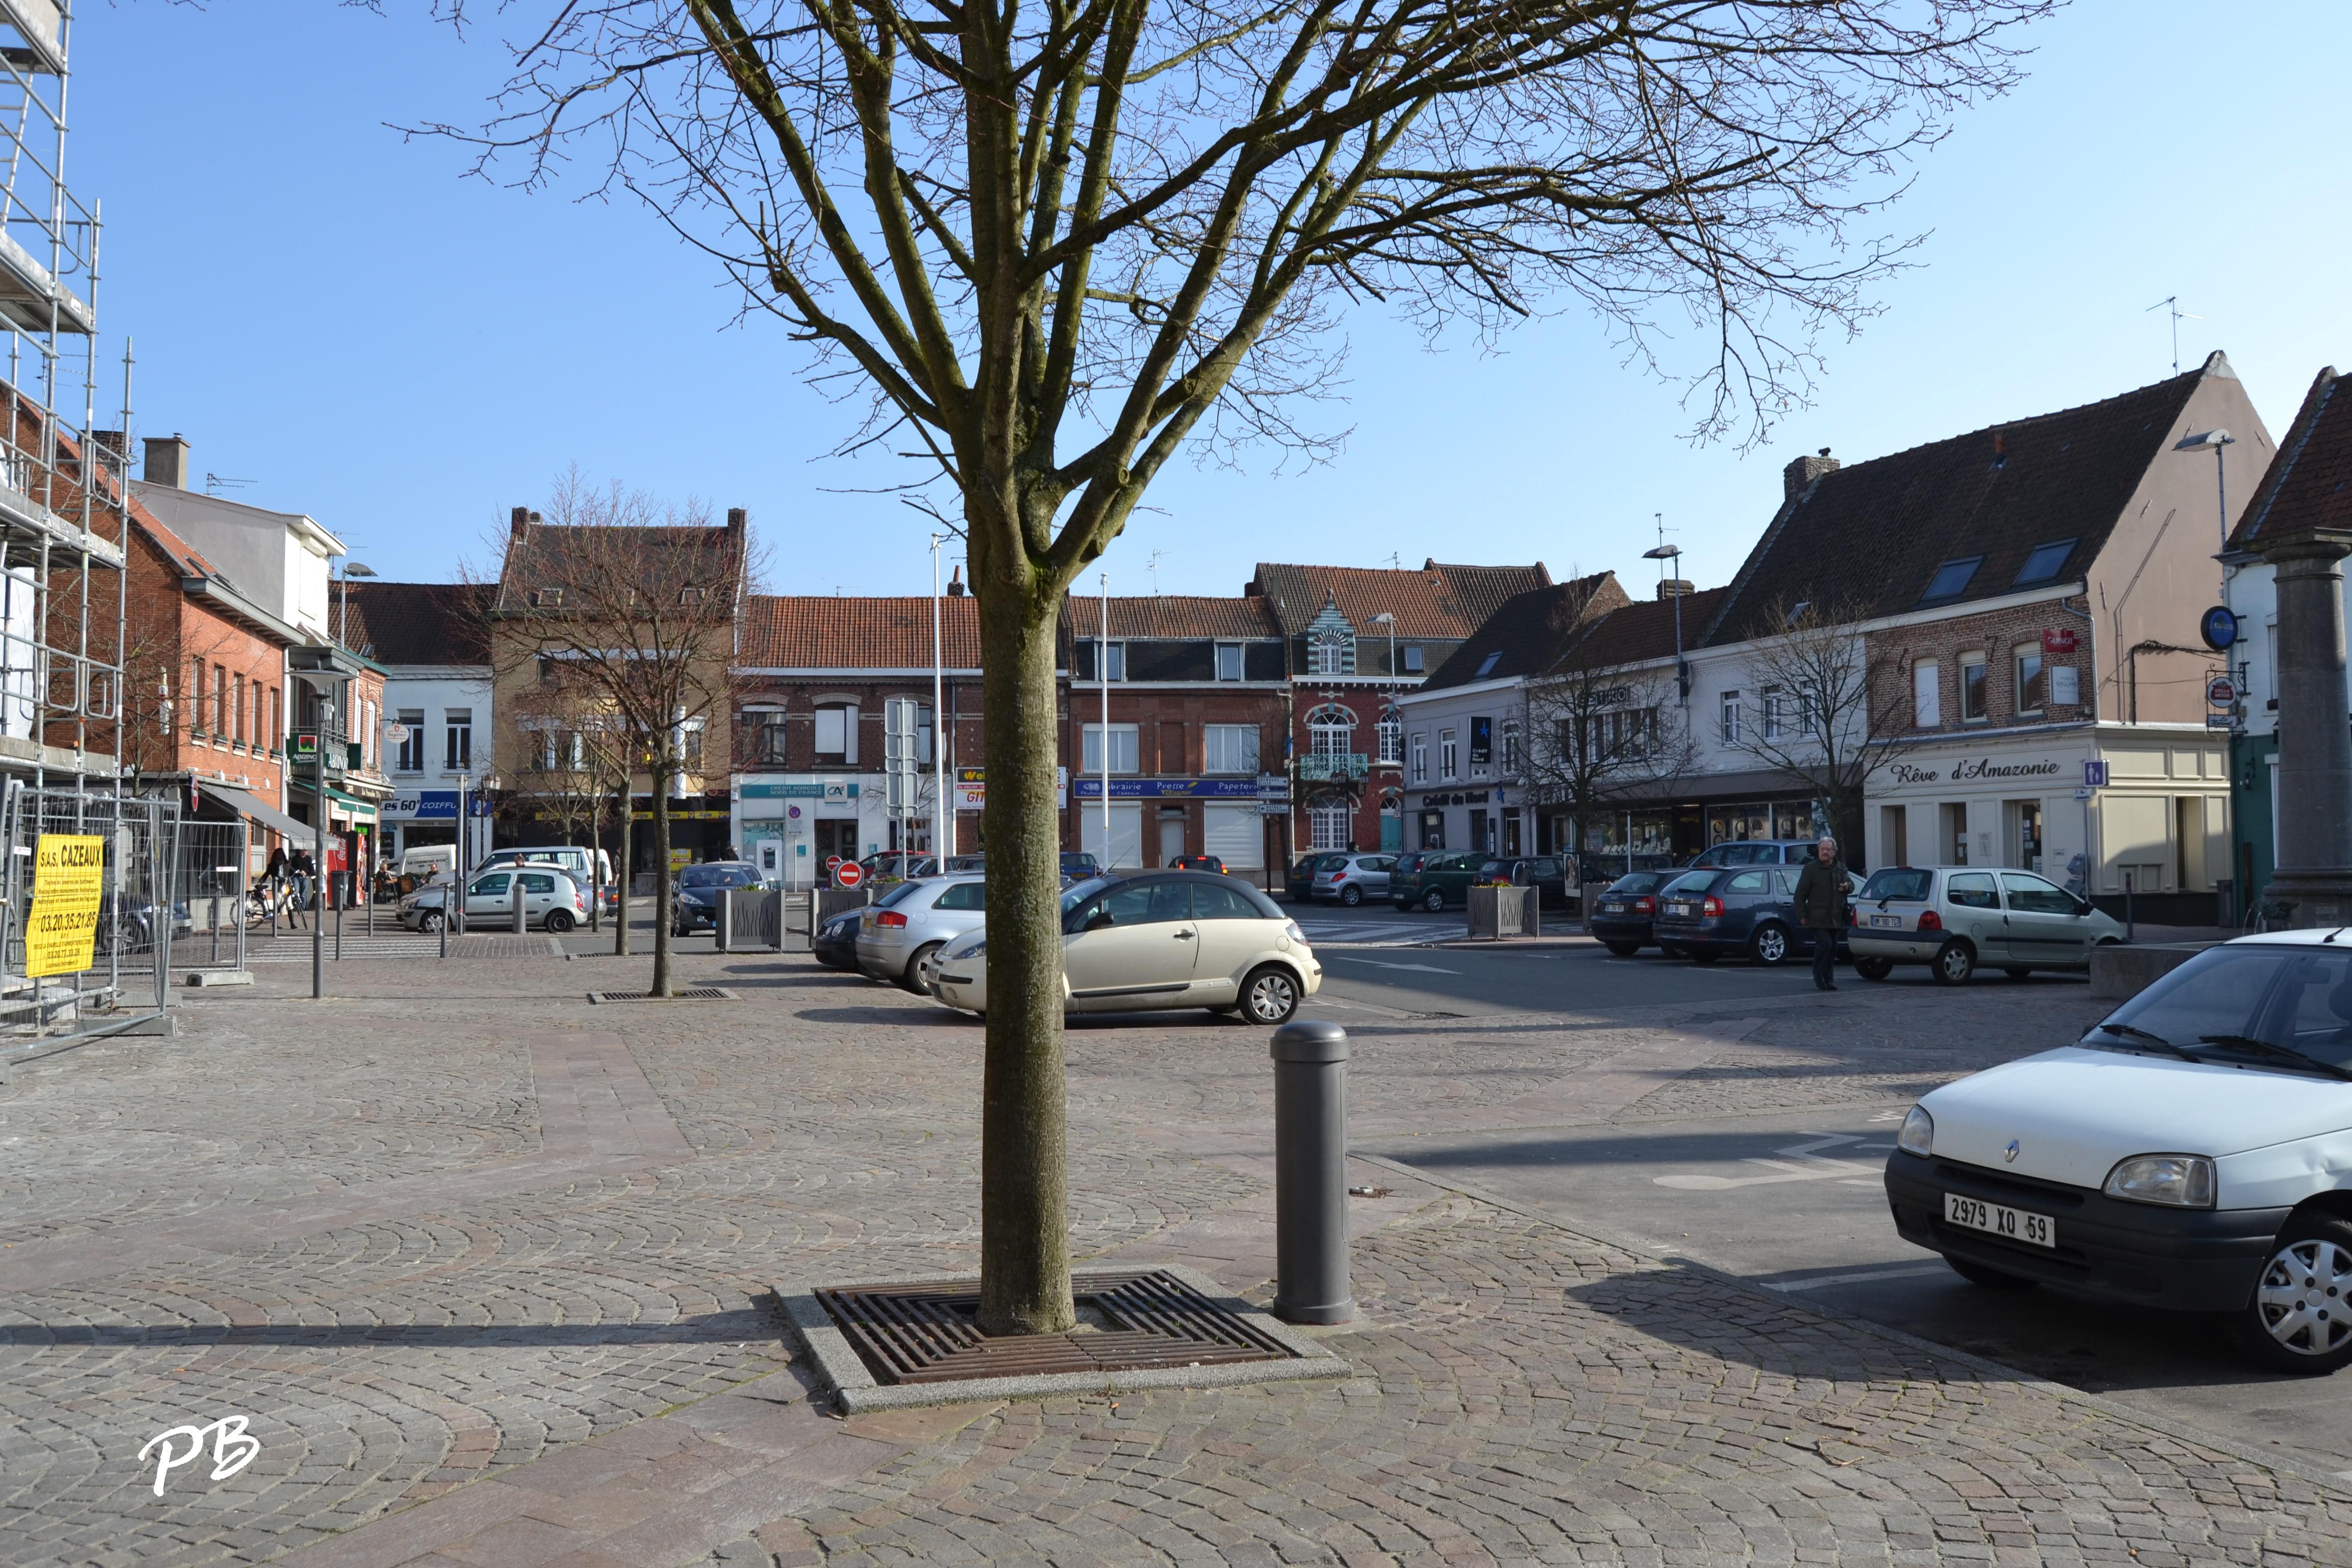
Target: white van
pixel 425 862
pixel 573 858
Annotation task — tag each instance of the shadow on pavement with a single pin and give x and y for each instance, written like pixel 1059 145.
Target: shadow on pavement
pixel 754 1322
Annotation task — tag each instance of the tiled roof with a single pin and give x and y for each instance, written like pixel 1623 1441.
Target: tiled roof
pixel 1436 601
pixel 812 632
pixel 662 559
pixel 2309 484
pixel 1529 633
pixel 419 623
pixel 1869 538
pixel 1645 630
pixel 1173 617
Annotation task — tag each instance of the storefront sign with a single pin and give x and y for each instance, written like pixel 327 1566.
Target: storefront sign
pixel 1184 789
pixel 828 789
pixel 681 816
pixel 969 796
pixel 1971 770
pixel 1459 797
pixel 2058 639
pixel 435 806
pixel 2219 692
pixel 2218 627
pixel 69 874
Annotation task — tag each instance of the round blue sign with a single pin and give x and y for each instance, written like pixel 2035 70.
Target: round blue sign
pixel 2220 628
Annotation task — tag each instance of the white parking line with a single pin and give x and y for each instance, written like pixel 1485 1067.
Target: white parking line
pixel 1902 1271
pixel 1798 1163
pixel 1383 963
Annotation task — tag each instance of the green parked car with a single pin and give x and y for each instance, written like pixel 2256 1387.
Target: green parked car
pixel 1435 878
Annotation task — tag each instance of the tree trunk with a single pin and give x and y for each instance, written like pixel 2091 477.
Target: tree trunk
pixel 621 876
pixel 661 986
pixel 1024 1246
pixel 597 867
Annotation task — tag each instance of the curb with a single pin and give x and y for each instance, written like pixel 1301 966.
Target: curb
pixel 856 1392
pixel 2181 1431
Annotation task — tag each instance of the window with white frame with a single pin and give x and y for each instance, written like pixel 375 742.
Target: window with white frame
pixel 1122 749
pixel 410 759
pixel 458 753
pixel 1449 757
pixel 1327 826
pixel 1229 747
pixel 2031 688
pixel 1728 708
pixel 1330 731
pixel 1391 734
pixel 1972 688
pixel 1421 759
pixel 1775 725
pixel 1927 694
pixel 1330 650
pixel 1229 661
pixel 1512 760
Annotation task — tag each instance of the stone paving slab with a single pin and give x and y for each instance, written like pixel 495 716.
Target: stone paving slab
pixel 482 1266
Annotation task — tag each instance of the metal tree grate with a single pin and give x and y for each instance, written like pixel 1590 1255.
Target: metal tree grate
pixel 689 994
pixel 929 1332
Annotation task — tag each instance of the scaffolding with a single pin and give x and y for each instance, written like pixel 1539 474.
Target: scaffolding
pixel 65 500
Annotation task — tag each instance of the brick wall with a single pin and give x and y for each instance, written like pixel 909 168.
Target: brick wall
pixel 1995 636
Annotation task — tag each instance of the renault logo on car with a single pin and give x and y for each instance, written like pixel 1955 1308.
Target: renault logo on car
pixel 2010 1154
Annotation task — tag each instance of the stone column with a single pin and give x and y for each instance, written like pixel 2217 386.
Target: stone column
pixel 2315 732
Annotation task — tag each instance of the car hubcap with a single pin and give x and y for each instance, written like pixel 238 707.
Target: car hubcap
pixel 1771 947
pixel 1956 964
pixel 1270 997
pixel 2302 1297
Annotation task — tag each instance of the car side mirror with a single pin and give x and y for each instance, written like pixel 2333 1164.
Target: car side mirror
pixel 1100 919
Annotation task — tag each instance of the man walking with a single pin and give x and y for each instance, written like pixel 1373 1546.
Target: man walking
pixel 1821 908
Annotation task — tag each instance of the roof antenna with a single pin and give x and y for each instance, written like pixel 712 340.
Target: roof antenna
pixel 215 484
pixel 2178 316
pixel 1396 562
pixel 1154 567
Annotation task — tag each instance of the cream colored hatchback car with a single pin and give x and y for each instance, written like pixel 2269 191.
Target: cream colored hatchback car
pixel 1161 939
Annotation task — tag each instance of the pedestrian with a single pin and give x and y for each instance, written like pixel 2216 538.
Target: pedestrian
pixel 1822 908
pixel 298 866
pixel 274 872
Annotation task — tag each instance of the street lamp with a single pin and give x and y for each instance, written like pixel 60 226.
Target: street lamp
pixel 1662 554
pixel 351 569
pixel 2215 441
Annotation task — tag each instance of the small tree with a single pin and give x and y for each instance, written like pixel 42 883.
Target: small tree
pixel 615 607
pixel 571 769
pixel 1819 709
pixel 1600 737
pixel 1058 246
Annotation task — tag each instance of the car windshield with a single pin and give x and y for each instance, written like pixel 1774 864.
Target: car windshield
pixel 714 877
pixel 1638 882
pixel 1907 882
pixel 2271 1003
pixel 898 895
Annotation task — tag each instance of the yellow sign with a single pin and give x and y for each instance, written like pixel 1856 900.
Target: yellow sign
pixel 69 878
pixel 679 860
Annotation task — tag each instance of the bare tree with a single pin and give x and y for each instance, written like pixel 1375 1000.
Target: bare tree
pixel 1818 705
pixel 614 606
pixel 1600 737
pixel 1052 248
pixel 572 771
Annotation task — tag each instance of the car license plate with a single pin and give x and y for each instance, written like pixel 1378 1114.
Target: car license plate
pixel 1997 1219
pixel 1609 908
pixel 1886 922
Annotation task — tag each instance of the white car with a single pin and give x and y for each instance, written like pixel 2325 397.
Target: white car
pixel 899 933
pixel 1954 919
pixel 1157 940
pixel 2193 1151
pixel 551 900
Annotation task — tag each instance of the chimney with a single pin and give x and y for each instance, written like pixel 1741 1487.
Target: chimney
pixel 518 519
pixel 167 460
pixel 736 518
pixel 955 584
pixel 1804 471
pixel 1676 588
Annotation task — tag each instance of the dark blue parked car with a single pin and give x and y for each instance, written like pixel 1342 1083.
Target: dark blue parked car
pixel 1624 911
pixel 1749 910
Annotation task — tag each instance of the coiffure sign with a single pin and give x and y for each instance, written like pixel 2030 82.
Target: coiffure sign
pixel 1975 770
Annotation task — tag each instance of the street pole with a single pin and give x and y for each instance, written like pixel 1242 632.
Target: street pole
pixel 457 911
pixel 319 840
pixel 940 817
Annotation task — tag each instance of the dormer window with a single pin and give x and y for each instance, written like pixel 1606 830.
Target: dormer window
pixel 1331 643
pixel 2046 562
pixel 1486 665
pixel 547 598
pixel 690 595
pixel 1412 661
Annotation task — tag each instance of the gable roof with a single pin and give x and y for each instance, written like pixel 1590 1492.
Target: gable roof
pixel 815 632
pixel 1529 633
pixel 1643 630
pixel 419 623
pixel 1869 538
pixel 2309 482
pixel 661 558
pixel 1436 601
pixel 1173 617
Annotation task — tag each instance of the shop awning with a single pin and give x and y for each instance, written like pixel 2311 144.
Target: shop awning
pixel 359 810
pixel 249 805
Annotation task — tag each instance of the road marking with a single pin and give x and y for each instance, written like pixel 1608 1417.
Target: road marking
pixel 1799 1163
pixel 1905 1271
pixel 1383 963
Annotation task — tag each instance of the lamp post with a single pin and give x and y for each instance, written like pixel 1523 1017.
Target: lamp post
pixel 1102 678
pixel 2216 442
pixel 1662 554
pixel 1389 620
pixel 940 817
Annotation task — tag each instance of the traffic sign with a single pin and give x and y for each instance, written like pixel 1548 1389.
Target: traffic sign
pixel 2219 692
pixel 848 874
pixel 2095 774
pixel 832 864
pixel 2218 627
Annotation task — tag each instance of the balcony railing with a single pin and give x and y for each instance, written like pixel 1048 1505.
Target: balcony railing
pixel 1334 765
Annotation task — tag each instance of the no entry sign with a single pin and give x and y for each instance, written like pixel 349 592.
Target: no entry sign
pixel 848 874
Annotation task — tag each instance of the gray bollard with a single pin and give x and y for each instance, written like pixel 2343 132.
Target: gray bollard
pixel 1310 1174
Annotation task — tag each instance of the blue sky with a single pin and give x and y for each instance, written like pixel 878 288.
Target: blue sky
pixel 338 316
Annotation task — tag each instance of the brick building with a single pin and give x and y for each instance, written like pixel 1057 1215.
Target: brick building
pixel 1355 639
pixel 812 677
pixel 1198 697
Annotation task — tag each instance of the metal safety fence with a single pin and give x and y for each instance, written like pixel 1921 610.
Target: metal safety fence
pixel 209 876
pixel 97 960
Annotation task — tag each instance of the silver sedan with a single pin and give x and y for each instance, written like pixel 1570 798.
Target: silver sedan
pixel 899 933
pixel 1351 879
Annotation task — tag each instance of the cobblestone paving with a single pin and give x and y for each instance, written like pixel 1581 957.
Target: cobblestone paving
pixel 485 1266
